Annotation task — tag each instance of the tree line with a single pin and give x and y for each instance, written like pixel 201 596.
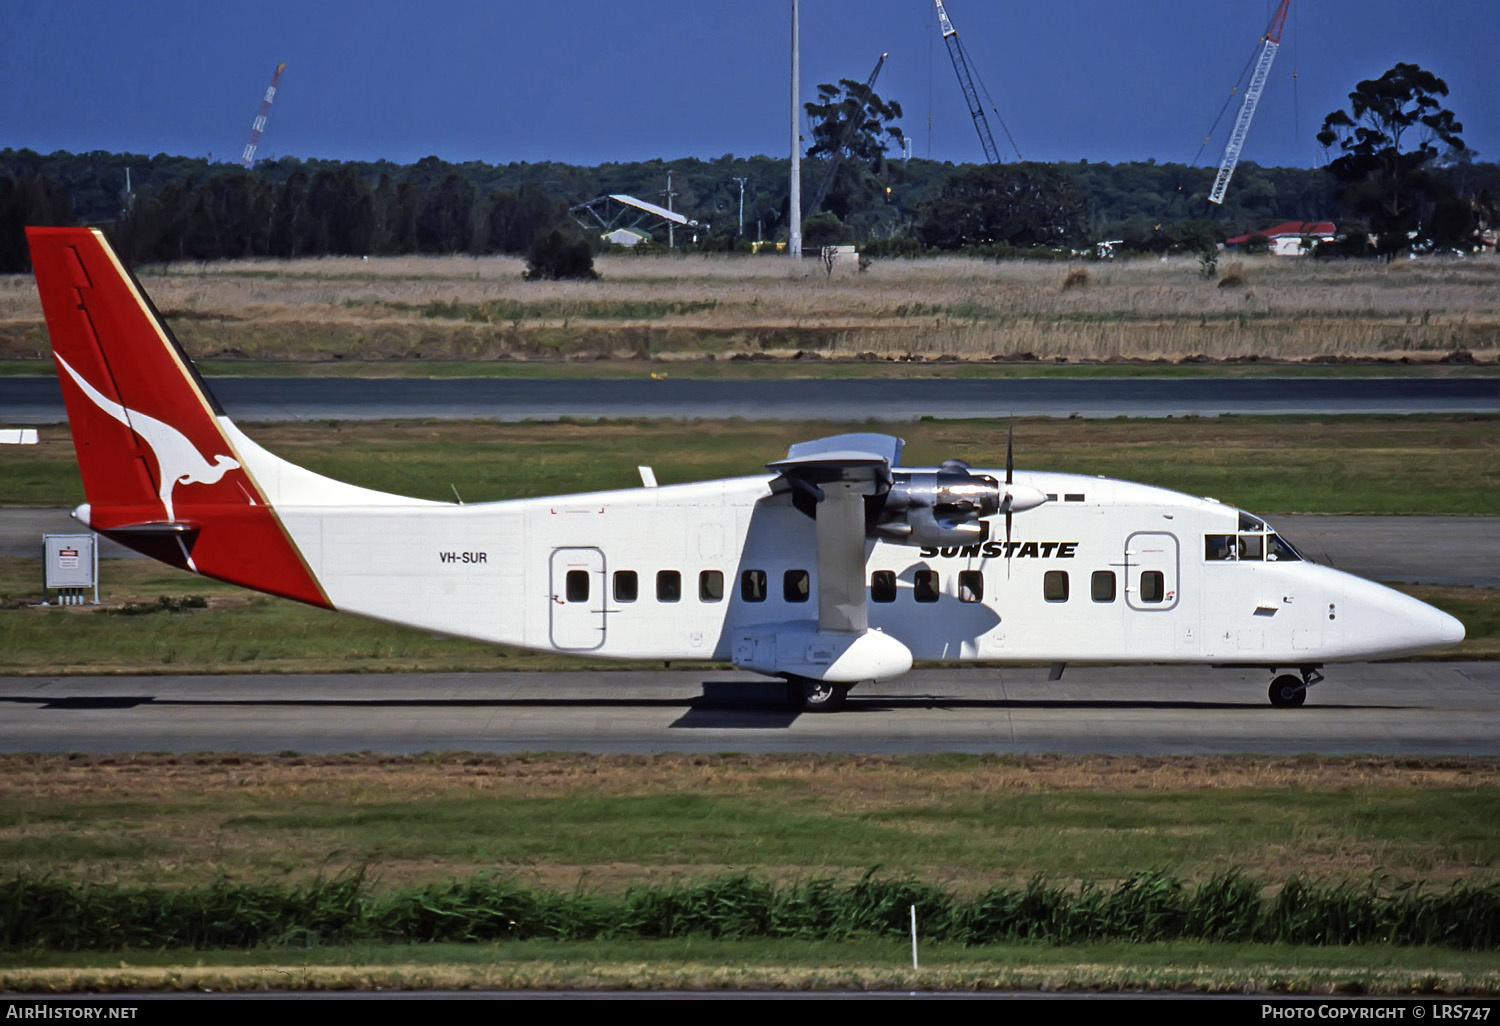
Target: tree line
pixel 1388 194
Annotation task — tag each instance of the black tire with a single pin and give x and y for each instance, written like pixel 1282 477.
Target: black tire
pixel 1288 692
pixel 805 694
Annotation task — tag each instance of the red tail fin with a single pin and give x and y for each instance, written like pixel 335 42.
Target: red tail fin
pixel 159 472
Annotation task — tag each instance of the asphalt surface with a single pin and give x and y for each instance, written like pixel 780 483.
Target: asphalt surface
pixel 38 400
pixel 1462 551
pixel 1409 709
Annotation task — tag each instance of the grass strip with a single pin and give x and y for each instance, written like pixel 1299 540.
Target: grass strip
pixel 559 822
pixel 1369 465
pixel 719 966
pixel 1148 907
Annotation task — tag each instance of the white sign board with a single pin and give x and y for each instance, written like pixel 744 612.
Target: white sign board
pixel 69 561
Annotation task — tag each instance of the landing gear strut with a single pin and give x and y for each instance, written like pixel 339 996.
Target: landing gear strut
pixel 1288 690
pixel 805 694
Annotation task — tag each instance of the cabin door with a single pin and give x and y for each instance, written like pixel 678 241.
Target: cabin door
pixel 577 599
pixel 1152 586
pixel 1152 571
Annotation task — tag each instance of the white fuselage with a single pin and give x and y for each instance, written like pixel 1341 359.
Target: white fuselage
pixel 1107 571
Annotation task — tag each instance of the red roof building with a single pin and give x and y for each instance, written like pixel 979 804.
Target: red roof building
pixel 1291 238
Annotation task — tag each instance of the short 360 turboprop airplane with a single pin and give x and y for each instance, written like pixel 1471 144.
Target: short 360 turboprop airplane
pixel 837 567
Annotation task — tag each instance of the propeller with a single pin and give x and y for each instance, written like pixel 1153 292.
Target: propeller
pixel 1008 500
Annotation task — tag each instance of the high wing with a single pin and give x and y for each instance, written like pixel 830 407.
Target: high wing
pixel 830 479
pixel 857 493
pixel 853 486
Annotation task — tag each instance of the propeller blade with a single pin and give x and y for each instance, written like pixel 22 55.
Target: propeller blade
pixel 1008 515
pixel 1010 469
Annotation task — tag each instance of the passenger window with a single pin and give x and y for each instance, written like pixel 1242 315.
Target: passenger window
pixel 711 586
pixel 795 586
pixel 925 585
pixel 668 586
pixel 627 586
pixel 577 586
pixel 1276 549
pixel 753 585
pixel 1153 586
pixel 883 586
pixel 970 586
pixel 1102 586
pixel 1218 546
pixel 1055 586
pixel 1250 546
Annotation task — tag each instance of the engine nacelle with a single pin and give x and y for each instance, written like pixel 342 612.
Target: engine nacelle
pixel 938 507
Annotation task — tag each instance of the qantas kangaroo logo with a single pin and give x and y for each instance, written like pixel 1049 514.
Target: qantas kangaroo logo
pixel 178 461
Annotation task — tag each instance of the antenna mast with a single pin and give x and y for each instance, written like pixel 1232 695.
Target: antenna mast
pixel 1270 43
pixel 259 124
pixel 794 226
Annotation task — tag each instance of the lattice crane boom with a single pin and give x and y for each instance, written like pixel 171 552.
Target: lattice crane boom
pixel 1270 43
pixel 966 83
pixel 258 126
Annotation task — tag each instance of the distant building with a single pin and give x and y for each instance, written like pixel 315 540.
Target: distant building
pixel 627 237
pixel 1292 238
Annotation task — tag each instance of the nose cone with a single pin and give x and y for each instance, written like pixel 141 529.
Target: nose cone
pixel 1452 629
pixel 1387 622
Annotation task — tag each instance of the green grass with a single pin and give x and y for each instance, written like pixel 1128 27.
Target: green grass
pixel 1149 907
pixel 574 820
pixel 615 869
pixel 1439 465
pixel 703 964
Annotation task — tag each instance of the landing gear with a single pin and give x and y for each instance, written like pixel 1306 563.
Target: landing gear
pixel 1289 691
pixel 805 694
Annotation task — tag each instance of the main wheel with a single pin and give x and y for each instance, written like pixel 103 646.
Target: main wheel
pixel 1288 691
pixel 808 695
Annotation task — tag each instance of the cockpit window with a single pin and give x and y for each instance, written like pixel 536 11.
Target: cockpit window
pixel 1277 549
pixel 1249 523
pixel 1218 546
pixel 1252 546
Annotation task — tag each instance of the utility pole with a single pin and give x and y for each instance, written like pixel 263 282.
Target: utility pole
pixel 794 233
pixel 671 228
pixel 742 182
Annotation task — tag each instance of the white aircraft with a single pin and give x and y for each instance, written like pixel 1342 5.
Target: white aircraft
pixel 836 567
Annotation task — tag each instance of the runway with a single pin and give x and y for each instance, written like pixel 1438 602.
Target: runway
pixel 38 400
pixel 1393 709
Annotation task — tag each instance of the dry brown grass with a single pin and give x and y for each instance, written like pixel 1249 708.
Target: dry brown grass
pixel 845 779
pixel 199 795
pixel 968 309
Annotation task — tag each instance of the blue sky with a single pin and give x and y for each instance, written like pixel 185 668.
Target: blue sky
pixel 592 81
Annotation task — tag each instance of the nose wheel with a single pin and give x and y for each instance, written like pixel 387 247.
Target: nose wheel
pixel 1289 690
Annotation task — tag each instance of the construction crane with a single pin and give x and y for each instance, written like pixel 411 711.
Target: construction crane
pixel 966 83
pixel 259 124
pixel 1270 43
pixel 836 159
